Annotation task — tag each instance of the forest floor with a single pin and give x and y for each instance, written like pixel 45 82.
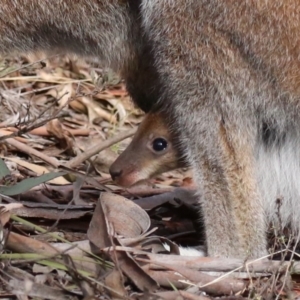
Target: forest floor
pixel 69 232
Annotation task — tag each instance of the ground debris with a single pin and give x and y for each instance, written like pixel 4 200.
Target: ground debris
pixel 68 232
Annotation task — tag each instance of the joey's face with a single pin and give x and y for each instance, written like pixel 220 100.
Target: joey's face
pixel 151 152
pixel 143 159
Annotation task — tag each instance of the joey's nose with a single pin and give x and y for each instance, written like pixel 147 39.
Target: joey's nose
pixel 115 173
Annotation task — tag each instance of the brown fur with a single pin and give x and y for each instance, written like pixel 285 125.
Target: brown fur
pixel 237 65
pixel 108 30
pixel 225 74
pixel 139 161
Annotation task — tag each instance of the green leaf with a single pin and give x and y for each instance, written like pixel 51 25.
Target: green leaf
pixel 29 183
pixel 4 171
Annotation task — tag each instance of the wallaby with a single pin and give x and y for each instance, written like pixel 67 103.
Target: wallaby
pixel 108 30
pixel 225 76
pixel 151 152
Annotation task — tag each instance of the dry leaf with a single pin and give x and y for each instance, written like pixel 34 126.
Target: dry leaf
pixel 6 210
pixel 39 170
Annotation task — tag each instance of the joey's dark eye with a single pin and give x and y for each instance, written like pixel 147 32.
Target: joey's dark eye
pixel 159 144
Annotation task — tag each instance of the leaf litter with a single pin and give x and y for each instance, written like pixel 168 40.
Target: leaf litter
pixel 68 232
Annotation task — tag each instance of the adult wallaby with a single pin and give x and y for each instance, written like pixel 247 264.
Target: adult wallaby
pixel 225 74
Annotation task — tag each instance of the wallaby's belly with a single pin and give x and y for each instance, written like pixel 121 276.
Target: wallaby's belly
pixel 278 175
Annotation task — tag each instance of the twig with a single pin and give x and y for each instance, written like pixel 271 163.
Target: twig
pixel 51 161
pixel 30 128
pixel 42 131
pixel 98 148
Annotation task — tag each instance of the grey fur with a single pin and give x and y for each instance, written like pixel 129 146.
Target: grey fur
pixel 221 71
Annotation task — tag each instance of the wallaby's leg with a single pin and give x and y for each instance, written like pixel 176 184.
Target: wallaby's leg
pixel 209 93
pixel 233 212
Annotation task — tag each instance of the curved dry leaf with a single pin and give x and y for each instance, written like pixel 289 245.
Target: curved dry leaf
pixel 96 111
pixel 62 135
pixel 128 219
pixel 117 215
pixel 78 106
pixel 56 129
pixel 119 107
pixel 64 94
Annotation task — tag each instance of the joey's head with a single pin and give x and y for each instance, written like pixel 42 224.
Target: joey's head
pixel 151 152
